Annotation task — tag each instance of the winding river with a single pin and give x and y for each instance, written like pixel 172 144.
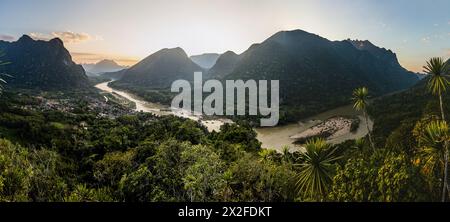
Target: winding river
pixel 270 137
pixel 160 110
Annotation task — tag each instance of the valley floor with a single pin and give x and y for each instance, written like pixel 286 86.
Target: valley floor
pixel 271 137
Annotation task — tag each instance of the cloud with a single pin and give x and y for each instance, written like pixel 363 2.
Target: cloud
pixel 84 54
pixel 67 37
pixel 7 37
pixel 72 37
pixel 39 36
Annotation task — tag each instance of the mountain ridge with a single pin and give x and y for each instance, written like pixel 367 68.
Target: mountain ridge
pixel 317 74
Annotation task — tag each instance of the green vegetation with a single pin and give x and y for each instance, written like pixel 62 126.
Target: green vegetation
pixel 161 96
pixel 316 169
pixel 437 132
pixel 68 146
pixel 64 156
pixel 94 80
pixel 413 123
pixel 433 147
pixel 380 176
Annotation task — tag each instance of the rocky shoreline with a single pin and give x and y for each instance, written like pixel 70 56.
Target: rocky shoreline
pixel 330 128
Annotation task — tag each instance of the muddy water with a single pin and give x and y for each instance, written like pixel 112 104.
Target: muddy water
pixel 160 110
pixel 140 104
pixel 270 137
pixel 279 137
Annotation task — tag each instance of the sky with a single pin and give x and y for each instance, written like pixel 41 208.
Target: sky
pixel 128 31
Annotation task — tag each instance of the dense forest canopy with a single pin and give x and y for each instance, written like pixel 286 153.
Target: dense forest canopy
pixel 79 156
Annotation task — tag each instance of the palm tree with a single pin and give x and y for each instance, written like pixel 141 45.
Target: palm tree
pixel 316 168
pixel 437 84
pixel 360 99
pixel 433 143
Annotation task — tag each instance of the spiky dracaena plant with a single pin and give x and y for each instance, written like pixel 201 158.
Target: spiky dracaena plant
pixel 433 143
pixel 316 169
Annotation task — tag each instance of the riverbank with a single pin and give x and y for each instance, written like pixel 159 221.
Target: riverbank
pixel 284 136
pixel 333 127
pixel 271 137
pixel 160 110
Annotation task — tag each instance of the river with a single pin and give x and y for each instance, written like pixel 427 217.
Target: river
pixel 279 136
pixel 270 137
pixel 160 110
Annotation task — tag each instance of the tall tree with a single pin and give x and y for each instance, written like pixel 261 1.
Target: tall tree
pixel 437 84
pixel 316 169
pixel 360 99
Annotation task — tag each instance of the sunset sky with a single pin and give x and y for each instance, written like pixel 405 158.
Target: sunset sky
pixel 128 31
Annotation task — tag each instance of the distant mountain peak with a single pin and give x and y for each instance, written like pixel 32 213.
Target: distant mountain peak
pixel 205 60
pixel 365 45
pixel 161 68
pixel 293 40
pixel 230 53
pixel 294 32
pixel 283 36
pixel 176 50
pixel 165 54
pixel 103 66
pixel 57 41
pixel 224 65
pixel 361 43
pixel 107 62
pixel 379 52
pixel 25 38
